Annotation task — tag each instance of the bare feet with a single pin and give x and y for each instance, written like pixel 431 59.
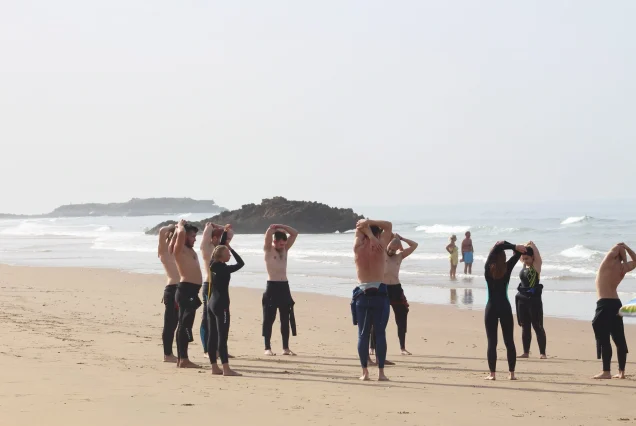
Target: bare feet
pixel 365 375
pixel 269 352
pixel 288 352
pixel 523 356
pixel 186 363
pixel 170 358
pixel 372 362
pixel 603 375
pixel 490 376
pixel 227 371
pixel 511 376
pixel 543 356
pixel 381 376
pixel 230 356
pixel 387 362
pixel 216 370
pixel 405 352
pixel 620 375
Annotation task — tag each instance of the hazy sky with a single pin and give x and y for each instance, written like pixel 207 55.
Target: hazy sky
pixel 345 102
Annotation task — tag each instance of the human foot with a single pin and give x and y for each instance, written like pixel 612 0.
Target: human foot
pixel 186 363
pixel 543 356
pixel 620 375
pixel 511 376
pixel 381 376
pixel 269 352
pixel 170 358
pixel 603 375
pixel 526 355
pixel 288 352
pixel 365 375
pixel 490 376
pixel 387 362
pixel 405 352
pixel 227 371
pixel 216 370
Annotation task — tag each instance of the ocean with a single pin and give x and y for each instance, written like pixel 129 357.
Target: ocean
pixel 572 240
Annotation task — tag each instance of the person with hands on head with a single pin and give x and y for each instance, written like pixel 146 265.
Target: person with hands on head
pixel 528 301
pixel 498 310
pixel 171 313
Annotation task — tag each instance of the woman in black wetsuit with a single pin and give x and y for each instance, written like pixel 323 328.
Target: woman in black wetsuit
pixel 498 307
pixel 528 301
pixel 219 306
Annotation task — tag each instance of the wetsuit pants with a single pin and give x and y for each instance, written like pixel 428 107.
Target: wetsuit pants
pixel 400 311
pixel 187 297
pixel 218 332
pixel 500 311
pixel 203 331
pixel 529 316
pixel 170 318
pixel 371 308
pixel 277 297
pixel 608 323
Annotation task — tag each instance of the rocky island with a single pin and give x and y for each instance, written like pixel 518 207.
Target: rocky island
pixel 306 216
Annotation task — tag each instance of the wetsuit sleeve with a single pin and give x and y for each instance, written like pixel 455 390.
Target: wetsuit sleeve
pixel 496 249
pixel 223 238
pixel 512 262
pixel 239 262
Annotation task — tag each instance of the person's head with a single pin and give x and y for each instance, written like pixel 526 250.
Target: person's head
pixel 221 254
pixel 528 257
pixel 619 253
pixel 191 234
pixel 498 266
pixel 216 236
pixel 376 231
pixel 467 234
pixel 393 247
pixel 453 238
pixel 280 240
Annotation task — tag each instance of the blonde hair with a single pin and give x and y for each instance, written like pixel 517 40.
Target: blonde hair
pixel 218 252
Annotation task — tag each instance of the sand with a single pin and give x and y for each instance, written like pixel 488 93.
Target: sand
pixel 83 347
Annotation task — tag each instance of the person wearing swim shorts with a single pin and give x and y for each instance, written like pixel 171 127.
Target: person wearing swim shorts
pixel 607 322
pixel 187 294
pixel 453 255
pixel 498 310
pixel 219 305
pixel 211 238
pixel 170 316
pixel 528 301
pixel 279 239
pixel 467 254
pixel 370 301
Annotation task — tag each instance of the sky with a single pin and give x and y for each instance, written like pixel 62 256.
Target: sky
pixel 339 101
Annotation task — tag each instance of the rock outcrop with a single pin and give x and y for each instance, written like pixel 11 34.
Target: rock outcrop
pixel 306 216
pixel 138 207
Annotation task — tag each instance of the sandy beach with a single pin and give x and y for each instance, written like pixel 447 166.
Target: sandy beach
pixel 83 346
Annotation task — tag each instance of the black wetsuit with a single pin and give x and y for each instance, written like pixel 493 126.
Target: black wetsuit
pixel 170 318
pixel 608 323
pixel 498 309
pixel 187 297
pixel 400 310
pixel 205 291
pixel 219 308
pixel 530 309
pixel 278 296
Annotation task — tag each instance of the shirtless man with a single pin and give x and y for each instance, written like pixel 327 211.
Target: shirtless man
pixel 370 301
pixel 170 315
pixel 211 237
pixel 277 295
pixel 467 254
pixel 606 321
pixel 187 296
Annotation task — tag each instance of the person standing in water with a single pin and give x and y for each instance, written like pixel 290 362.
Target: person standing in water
pixel 607 322
pixel 211 237
pixel 170 316
pixel 453 254
pixel 278 240
pixel 219 305
pixel 528 301
pixel 467 254
pixel 187 295
pixel 498 309
pixel 370 301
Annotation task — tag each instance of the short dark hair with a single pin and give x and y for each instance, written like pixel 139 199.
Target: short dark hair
pixel 375 230
pixel 280 235
pixel 191 228
pixel 529 252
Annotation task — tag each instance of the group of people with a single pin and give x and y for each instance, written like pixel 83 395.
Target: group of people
pixel 378 254
pixel 467 254
pixel 185 280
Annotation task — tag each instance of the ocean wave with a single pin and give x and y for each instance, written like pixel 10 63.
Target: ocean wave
pixel 30 228
pixel 580 252
pixel 576 219
pixel 443 229
pixel 566 268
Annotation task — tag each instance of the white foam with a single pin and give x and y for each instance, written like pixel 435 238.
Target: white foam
pixel 580 252
pixel 566 268
pixel 443 229
pixel 576 219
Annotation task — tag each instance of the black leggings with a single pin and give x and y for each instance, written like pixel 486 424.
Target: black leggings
pixel 500 311
pixel 529 316
pixel 187 297
pixel 400 312
pixel 218 332
pixel 269 316
pixel 170 318
pixel 607 323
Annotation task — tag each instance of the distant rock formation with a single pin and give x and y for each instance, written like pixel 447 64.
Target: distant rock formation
pixel 138 207
pixel 306 216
